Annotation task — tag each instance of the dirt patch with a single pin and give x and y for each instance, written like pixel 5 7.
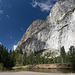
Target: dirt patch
pixel 53 66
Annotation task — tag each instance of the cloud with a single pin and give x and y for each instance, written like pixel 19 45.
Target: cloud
pixel 34 3
pixel 1 11
pixel 14 47
pixel 44 5
pixel 4 6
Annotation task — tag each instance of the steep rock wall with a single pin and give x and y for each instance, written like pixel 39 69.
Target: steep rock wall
pixel 56 31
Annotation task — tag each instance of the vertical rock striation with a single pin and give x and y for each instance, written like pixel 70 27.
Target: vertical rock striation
pixel 56 31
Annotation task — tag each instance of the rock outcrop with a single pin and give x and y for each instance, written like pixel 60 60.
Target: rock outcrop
pixel 56 31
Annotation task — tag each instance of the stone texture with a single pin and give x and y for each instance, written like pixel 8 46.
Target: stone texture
pixel 56 31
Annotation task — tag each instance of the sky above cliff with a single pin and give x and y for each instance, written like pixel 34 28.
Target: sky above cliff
pixel 17 15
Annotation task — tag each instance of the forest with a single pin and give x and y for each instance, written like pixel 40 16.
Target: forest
pixel 10 58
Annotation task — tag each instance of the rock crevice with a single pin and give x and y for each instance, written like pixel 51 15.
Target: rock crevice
pixel 56 31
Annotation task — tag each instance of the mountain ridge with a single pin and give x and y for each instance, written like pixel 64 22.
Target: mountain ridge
pixel 54 32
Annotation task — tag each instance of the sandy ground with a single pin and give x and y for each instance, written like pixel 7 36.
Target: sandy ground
pixel 33 73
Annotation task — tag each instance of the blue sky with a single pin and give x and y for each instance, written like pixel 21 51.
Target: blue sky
pixel 17 15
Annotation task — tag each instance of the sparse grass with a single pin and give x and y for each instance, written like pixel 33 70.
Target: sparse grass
pixel 44 66
pixel 19 67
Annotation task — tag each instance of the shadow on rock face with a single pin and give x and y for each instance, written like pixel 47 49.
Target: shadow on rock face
pixel 32 44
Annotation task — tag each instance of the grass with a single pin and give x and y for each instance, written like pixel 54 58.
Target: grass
pixel 19 68
pixel 23 67
pixel 44 66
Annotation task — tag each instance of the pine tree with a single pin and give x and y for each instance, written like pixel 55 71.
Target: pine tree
pixel 72 56
pixel 62 54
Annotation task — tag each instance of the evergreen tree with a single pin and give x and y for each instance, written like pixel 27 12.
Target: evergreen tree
pixel 62 54
pixel 6 57
pixel 72 56
pixel 25 57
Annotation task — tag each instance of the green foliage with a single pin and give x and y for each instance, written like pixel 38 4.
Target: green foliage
pixel 18 58
pixel 62 54
pixel 72 56
pixel 71 50
pixel 6 57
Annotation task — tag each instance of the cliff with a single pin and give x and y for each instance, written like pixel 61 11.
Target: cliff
pixel 56 31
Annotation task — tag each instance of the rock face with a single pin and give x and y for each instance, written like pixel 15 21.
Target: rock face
pixel 56 31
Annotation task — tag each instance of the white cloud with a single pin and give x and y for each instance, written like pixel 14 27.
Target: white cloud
pixel 44 5
pixel 4 6
pixel 34 3
pixel 14 47
pixel 1 11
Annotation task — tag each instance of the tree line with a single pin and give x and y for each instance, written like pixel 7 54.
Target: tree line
pixel 6 58
pixel 10 58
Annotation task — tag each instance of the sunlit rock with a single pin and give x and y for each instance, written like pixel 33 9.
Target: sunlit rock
pixel 56 31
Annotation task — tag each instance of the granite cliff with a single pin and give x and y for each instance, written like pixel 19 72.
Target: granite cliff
pixel 56 31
